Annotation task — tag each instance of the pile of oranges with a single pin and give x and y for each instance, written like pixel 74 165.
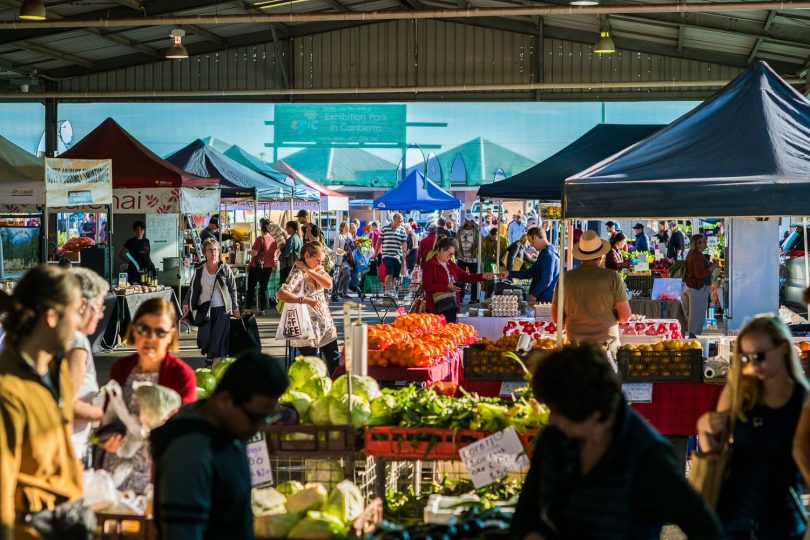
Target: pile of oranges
pixel 509 343
pixel 431 341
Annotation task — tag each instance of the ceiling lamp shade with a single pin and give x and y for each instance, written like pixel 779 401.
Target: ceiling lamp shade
pixel 605 44
pixel 584 2
pixel 177 51
pixel 32 10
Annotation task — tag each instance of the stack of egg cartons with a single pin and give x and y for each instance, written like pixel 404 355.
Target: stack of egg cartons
pixel 504 305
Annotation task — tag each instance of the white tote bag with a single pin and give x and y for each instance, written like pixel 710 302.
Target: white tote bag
pixel 295 322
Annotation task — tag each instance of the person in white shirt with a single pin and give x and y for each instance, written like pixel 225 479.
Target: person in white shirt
pixel 80 358
pixel 516 229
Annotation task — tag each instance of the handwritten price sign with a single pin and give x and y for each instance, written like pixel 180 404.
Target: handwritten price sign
pixel 494 457
pixel 259 461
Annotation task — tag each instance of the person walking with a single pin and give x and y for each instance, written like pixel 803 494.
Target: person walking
pixel 212 290
pixel 642 242
pixel 595 298
pixel 760 497
pixel 599 470
pixel 79 357
pixel 393 244
pixel 676 242
pixel 412 249
pixel 545 271
pixel 347 266
pixel 292 250
pixel 516 229
pixel 153 334
pixel 469 241
pixel 262 265
pixel 309 271
pixel 39 470
pixel 202 477
pixel 698 280
pixel 441 275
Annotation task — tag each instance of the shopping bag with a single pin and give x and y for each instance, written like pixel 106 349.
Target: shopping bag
pixel 243 335
pixel 708 472
pixel 360 261
pixel 295 321
pixel 117 411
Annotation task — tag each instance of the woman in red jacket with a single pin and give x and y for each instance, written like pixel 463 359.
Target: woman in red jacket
pixel 153 333
pixel 613 260
pixel 440 275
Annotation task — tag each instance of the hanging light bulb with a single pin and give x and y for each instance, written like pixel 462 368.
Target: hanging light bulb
pixel 177 51
pixel 32 10
pixel 605 44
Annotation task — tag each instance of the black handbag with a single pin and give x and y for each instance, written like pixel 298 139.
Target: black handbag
pixel 243 335
pixel 67 521
pixel 202 315
pixel 445 302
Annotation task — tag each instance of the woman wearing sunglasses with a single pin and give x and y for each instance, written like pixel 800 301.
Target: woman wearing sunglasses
pixel 760 497
pixel 153 333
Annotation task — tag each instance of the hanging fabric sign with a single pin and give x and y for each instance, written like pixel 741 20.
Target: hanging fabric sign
pixel 78 182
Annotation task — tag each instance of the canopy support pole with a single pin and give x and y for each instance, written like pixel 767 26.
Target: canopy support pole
pixel 569 254
pixel 481 240
pixel 560 296
pixel 498 242
pixel 806 262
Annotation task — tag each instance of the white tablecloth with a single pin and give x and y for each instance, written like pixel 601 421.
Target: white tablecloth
pixel 495 327
pixel 489 327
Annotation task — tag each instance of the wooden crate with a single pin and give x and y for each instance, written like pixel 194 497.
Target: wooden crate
pixel 660 366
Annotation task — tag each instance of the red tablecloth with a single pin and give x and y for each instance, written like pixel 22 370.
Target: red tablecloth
pixel 676 407
pixel 449 371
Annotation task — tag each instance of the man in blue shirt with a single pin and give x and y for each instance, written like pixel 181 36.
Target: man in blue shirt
pixel 545 270
pixel 642 242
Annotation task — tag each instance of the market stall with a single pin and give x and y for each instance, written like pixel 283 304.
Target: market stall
pixel 415 192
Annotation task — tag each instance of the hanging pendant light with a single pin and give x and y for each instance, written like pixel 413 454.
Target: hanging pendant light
pixel 177 51
pixel 32 10
pixel 605 44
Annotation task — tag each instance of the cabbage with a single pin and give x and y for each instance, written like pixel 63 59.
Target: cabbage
pixel 305 369
pixel 157 403
pixel 339 411
pixel 317 388
pixel 299 400
pixel 221 367
pixel 319 411
pixel 289 488
pixel 382 411
pixel 345 502
pixel 206 380
pixel 365 387
pixel 267 501
pixel 324 471
pixel 275 526
pixel 311 497
pixel 317 526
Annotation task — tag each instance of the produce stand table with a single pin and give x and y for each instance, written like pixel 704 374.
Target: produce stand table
pixel 653 328
pixel 490 327
pixel 659 309
pixel 449 371
pixel 676 407
pixel 128 305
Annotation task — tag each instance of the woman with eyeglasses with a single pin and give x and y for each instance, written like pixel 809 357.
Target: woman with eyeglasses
pixel 309 271
pixel 761 496
pixel 80 358
pixel 213 289
pixel 153 333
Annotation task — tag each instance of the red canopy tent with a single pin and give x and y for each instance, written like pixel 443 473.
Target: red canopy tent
pixel 330 199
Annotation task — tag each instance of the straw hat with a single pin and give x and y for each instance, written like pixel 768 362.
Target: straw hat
pixel 590 247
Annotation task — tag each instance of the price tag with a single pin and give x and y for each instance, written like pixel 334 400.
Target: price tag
pixel 494 457
pixel 638 392
pixel 122 280
pixel 508 387
pixel 259 461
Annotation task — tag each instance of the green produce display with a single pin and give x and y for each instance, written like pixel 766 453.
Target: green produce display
pixel 475 523
pixel 207 378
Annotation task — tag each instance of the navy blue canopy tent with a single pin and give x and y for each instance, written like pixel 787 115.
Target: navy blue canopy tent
pixel 744 152
pixel 544 181
pixel 413 193
pixel 238 182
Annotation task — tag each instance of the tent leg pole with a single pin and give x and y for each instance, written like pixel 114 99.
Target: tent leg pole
pixel 569 254
pixel 806 262
pixel 498 241
pixel 561 298
pixel 481 241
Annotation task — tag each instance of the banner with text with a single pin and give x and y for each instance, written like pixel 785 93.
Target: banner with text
pixel 77 182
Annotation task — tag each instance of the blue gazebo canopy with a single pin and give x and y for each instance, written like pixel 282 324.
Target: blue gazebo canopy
pixel 416 193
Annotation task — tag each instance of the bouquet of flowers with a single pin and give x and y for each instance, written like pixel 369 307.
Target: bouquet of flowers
pixel 363 243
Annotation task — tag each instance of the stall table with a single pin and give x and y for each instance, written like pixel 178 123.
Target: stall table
pixel 490 327
pixel 676 407
pixel 447 371
pixel 128 305
pixel 659 309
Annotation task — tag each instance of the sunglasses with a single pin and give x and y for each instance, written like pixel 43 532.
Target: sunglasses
pixel 756 357
pixel 260 419
pixel 148 331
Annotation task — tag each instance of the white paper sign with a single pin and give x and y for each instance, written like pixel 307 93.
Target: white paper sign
pixel 259 461
pixel 494 457
pixel 638 392
pixel 642 267
pixel 508 387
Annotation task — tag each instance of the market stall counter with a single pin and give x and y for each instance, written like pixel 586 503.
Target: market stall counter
pixel 659 309
pixel 449 370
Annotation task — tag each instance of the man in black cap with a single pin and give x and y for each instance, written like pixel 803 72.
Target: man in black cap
pixel 211 230
pixel 642 242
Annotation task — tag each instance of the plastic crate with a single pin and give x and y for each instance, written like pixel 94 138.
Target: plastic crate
pixel 660 366
pixel 329 471
pixel 482 364
pixel 425 443
pixel 297 440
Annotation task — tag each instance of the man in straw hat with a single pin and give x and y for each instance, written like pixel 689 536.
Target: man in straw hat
pixel 595 298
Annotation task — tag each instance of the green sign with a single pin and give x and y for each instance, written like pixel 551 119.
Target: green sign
pixel 326 124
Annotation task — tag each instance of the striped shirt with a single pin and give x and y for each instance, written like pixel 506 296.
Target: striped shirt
pixel 391 241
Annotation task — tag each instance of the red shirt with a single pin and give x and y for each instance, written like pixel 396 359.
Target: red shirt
pixel 174 374
pixel 425 246
pixel 269 253
pixel 435 278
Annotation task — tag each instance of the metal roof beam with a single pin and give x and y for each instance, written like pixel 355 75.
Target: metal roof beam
pixel 72 58
pixel 207 34
pixel 681 32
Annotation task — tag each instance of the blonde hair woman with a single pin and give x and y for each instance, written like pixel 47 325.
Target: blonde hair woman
pixel 758 499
